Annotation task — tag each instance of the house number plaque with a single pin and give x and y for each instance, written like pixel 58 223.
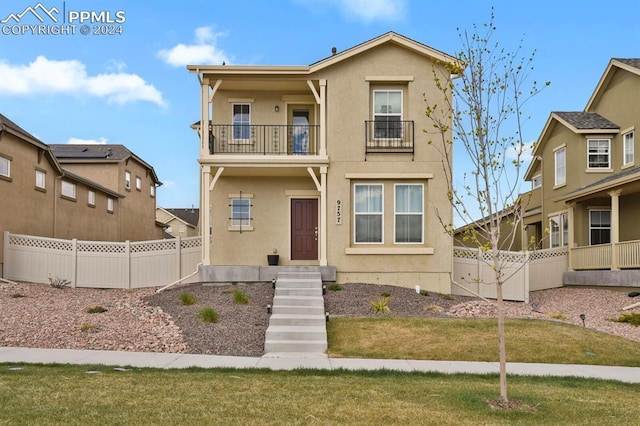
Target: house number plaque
pixel 338 212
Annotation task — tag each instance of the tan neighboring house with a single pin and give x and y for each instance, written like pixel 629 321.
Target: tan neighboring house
pixel 179 222
pixel 586 179
pixel 327 165
pixel 117 168
pixel 41 198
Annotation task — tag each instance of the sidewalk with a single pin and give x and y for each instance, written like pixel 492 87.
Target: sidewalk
pixel 293 361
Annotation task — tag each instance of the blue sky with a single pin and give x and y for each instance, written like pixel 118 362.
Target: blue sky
pixel 133 88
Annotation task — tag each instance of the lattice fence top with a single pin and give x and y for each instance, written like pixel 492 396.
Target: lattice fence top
pixel 509 256
pixel 153 246
pixel 465 253
pixel 548 254
pixel 43 243
pixel 191 242
pixel 101 247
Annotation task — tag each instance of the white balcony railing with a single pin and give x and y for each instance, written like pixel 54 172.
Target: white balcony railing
pixel 600 256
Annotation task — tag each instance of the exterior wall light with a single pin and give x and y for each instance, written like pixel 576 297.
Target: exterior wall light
pixel 276 108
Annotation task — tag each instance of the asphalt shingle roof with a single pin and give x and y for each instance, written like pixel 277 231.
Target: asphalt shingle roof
pixel 90 151
pixel 190 216
pixel 634 62
pixel 586 120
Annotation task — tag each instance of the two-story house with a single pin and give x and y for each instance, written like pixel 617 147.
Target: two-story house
pixel 179 222
pixel 327 165
pixel 117 168
pixel 41 198
pixel 585 179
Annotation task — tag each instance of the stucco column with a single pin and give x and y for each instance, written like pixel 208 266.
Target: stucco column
pixel 205 212
pixel 615 227
pixel 204 117
pixel 323 118
pixel 323 216
pixel 571 236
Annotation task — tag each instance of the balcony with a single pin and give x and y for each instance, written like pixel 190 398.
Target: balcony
pixel 627 256
pixel 263 139
pixel 389 136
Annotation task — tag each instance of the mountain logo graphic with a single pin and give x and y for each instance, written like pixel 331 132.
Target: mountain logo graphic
pixel 38 11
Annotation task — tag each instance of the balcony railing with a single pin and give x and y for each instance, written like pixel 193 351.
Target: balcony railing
pixel 389 136
pixel 599 256
pixel 263 139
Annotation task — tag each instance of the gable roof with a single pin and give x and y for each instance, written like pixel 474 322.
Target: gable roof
pixel 11 127
pixel 102 153
pixel 631 65
pixel 188 216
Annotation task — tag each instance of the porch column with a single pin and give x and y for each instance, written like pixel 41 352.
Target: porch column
pixel 323 118
pixel 571 236
pixel 205 213
pixel 323 216
pixel 615 227
pixel 204 117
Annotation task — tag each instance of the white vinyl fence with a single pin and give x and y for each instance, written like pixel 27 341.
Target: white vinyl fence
pixel 101 264
pixel 527 271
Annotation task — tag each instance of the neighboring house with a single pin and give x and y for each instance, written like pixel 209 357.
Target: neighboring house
pixel 120 170
pixel 179 222
pixel 327 164
pixel 41 198
pixel 585 178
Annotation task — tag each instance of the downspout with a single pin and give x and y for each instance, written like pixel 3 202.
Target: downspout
pixel 181 279
pixel 55 205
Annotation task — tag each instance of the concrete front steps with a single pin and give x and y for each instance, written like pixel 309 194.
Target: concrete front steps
pixel 297 323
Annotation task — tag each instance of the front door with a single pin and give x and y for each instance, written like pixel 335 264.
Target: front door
pixel 304 229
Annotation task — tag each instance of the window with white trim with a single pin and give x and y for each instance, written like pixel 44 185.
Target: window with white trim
pixel 628 148
pixel 127 180
pixel 560 157
pixel 241 121
pixel 598 153
pixel 599 227
pixel 91 198
pixel 68 189
pixel 152 190
pixel 536 182
pixel 240 212
pixel 5 167
pixel 409 213
pixel 559 230
pixel 387 114
pixel 182 229
pixel 41 179
pixel 138 183
pixel 110 202
pixel 368 213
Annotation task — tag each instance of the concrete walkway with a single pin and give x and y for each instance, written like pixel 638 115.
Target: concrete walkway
pixel 291 361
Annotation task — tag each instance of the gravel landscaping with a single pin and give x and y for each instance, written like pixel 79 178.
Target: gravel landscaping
pixel 38 315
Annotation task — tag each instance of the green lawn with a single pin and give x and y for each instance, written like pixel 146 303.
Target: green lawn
pixel 39 395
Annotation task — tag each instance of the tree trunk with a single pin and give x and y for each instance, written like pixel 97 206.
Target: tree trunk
pixel 501 343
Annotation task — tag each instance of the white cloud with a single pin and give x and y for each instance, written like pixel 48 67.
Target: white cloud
pixel 78 141
pixel 525 156
pixel 70 77
pixel 366 10
pixel 202 51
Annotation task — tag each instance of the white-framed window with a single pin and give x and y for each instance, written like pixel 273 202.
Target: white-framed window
pixel 387 114
pixel 68 189
pixel 41 179
pixel 560 161
pixel 127 180
pixel 182 229
pixel 409 213
pixel 91 198
pixel 110 202
pixel 152 190
pixel 598 153
pixel 5 167
pixel 599 227
pixel 536 182
pixel 138 183
pixel 559 230
pixel 240 212
pixel 369 213
pixel 628 148
pixel 241 121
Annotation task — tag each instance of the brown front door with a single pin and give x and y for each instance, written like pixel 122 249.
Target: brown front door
pixel 304 229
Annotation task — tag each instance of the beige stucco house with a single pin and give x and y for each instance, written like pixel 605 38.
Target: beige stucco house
pixel 179 222
pixel 327 165
pixel 586 180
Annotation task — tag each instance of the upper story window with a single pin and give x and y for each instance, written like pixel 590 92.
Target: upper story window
pixel 598 153
pixel 369 212
pixel 628 142
pixel 138 183
pixel 127 180
pixel 559 230
pixel 409 213
pixel 91 198
pixel 387 114
pixel 536 182
pixel 68 189
pixel 241 121
pixel 182 229
pixel 5 167
pixel 599 227
pixel 560 160
pixel 110 202
pixel 40 179
pixel 152 190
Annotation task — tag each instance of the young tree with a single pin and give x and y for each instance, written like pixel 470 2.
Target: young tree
pixel 481 112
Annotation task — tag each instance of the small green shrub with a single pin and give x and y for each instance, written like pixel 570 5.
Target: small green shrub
pixel 17 295
pixel 424 293
pixel 381 306
pixel 630 318
pixel 58 282
pixel 208 314
pixel 334 287
pixel 188 299
pixel 240 297
pixel 558 316
pixel 88 328
pixel 385 294
pixel 96 310
pixel 447 296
